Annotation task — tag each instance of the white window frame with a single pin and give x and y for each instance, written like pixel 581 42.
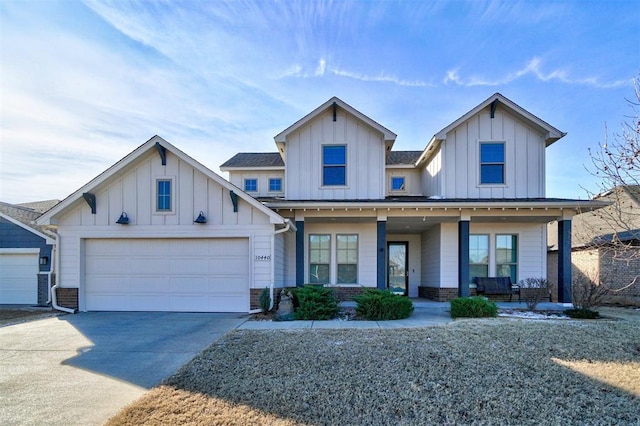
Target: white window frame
pixel 269 179
pixel 244 184
pixel 404 183
pixel 517 248
pixel 174 195
pixel 322 166
pixel 357 264
pixel 504 163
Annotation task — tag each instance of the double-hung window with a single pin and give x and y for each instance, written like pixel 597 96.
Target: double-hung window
pixel 275 185
pixel 478 256
pixel 163 195
pixel 251 185
pixel 507 257
pixel 492 163
pixel 347 252
pixel 319 258
pixel 334 165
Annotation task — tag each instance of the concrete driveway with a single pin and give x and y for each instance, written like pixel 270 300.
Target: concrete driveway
pixel 82 369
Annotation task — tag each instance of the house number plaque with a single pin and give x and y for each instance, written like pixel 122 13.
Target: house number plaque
pixel 263 257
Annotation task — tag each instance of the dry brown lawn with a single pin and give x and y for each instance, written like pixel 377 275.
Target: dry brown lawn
pixel 15 316
pixel 488 371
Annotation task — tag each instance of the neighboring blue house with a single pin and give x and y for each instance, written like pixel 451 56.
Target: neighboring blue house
pixel 25 254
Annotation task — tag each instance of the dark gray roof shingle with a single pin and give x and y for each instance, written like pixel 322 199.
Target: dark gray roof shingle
pixel 255 159
pixel 403 157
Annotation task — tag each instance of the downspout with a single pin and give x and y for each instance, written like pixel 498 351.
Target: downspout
pixel 52 291
pixel 273 258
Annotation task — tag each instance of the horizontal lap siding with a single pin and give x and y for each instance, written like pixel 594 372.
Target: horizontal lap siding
pixel 430 254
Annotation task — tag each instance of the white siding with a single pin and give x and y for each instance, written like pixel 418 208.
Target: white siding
pixel 290 259
pixel 238 177
pixel 367 243
pixel 432 176
pixel 261 268
pixel 413 186
pixel 279 260
pixel 430 257
pixel 449 255
pixel 524 159
pixel 365 159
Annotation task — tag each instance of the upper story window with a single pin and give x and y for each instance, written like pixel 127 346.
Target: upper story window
pixel 163 194
pixel 334 165
pixel 251 185
pixel 492 163
pixel 397 183
pixel 275 185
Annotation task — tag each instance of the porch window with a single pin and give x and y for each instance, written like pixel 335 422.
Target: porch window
pixel 319 258
pixel 507 257
pixel 163 193
pixel 347 251
pixel 250 185
pixel 492 163
pixel 478 256
pixel 334 165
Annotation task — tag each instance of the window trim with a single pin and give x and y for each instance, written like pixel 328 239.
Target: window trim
pixel 357 263
pixel 172 194
pixel 503 163
pixel 323 166
pixel 516 263
pixel 244 184
pixel 309 264
pixel 404 183
pixel 269 184
pixel 488 236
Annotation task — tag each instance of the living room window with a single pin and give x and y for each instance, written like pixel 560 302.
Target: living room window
pixel 347 252
pixel 251 185
pixel 334 165
pixel 507 257
pixel 319 258
pixel 492 163
pixel 478 256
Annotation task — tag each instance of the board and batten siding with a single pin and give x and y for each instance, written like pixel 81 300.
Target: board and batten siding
pixel 432 176
pixel 412 183
pixel 262 176
pixel 460 152
pixel 365 172
pixel 367 259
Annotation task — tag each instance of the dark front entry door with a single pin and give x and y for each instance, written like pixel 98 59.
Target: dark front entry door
pixel 397 269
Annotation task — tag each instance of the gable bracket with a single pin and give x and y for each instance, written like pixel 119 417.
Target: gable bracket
pixel 163 153
pixel 494 104
pixel 234 200
pixel 91 200
pixel 335 109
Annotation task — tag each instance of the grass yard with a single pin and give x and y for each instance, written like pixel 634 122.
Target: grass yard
pixel 15 316
pixel 487 371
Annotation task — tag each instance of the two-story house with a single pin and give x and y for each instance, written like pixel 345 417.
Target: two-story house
pixel 334 205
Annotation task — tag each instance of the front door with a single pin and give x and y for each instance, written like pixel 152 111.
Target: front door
pixel 397 269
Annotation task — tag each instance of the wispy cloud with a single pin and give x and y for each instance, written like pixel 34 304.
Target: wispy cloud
pixel 532 68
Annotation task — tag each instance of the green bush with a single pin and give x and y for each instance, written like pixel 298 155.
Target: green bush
pixel 582 313
pixel 265 300
pixel 375 305
pixel 314 302
pixel 473 307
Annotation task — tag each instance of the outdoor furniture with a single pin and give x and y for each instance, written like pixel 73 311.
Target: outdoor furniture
pixel 496 286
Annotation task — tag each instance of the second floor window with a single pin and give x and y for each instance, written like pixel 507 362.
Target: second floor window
pixel 492 163
pixel 275 185
pixel 163 195
pixel 397 183
pixel 251 185
pixel 334 165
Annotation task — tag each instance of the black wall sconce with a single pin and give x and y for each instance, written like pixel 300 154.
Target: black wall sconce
pixel 123 220
pixel 200 218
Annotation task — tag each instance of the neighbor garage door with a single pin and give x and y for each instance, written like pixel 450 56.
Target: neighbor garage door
pixel 18 278
pixel 187 275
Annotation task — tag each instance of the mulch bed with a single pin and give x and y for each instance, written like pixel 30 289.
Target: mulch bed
pixel 475 371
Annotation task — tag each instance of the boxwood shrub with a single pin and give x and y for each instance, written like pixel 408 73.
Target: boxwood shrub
pixel 473 307
pixel 582 313
pixel 314 302
pixel 377 305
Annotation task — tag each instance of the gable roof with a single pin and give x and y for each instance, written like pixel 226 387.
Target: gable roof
pixel 403 157
pixel 551 134
pixel 254 160
pixel 45 219
pixel 39 206
pixel 24 218
pixel 389 136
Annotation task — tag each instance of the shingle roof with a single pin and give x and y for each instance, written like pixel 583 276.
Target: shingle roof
pixel 273 159
pixel 39 206
pixel 255 159
pixel 23 214
pixel 403 157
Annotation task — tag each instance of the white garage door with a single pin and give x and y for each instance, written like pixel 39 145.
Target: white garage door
pixel 19 278
pixel 176 275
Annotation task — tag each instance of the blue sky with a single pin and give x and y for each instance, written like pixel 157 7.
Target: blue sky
pixel 84 83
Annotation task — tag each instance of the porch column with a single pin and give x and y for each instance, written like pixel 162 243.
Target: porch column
pixel 564 261
pixel 463 258
pixel 300 253
pixel 382 254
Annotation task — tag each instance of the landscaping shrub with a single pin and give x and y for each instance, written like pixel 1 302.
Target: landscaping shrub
pixel 314 303
pixel 473 307
pixel 582 313
pixel 375 305
pixel 265 300
pixel 533 291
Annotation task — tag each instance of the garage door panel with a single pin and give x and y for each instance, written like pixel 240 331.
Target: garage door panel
pixel 186 275
pixel 19 278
